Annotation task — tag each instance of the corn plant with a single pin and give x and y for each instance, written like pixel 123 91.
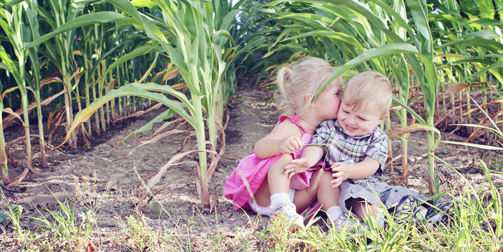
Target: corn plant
pixel 61 50
pixel 98 47
pixel 72 24
pixel 200 38
pixel 200 33
pixel 11 22
pixel 31 11
pixel 3 154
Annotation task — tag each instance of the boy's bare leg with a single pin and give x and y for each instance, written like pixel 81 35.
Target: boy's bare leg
pixel 327 195
pixel 361 208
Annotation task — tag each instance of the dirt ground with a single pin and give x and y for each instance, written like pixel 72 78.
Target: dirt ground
pixel 112 189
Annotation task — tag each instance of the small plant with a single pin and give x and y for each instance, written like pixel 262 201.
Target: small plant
pixel 69 230
pixel 14 217
pixel 141 236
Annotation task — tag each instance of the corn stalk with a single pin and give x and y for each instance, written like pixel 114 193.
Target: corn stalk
pixel 31 10
pixel 13 27
pixel 72 24
pixel 3 155
pixel 60 51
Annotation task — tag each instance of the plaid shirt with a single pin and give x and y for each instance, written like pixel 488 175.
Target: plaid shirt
pixel 339 147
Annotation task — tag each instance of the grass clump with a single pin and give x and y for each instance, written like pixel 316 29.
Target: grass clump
pixel 64 229
pixel 475 224
pixel 142 236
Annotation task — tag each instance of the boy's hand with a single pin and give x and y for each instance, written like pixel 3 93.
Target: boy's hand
pixel 340 172
pixel 290 144
pixel 295 166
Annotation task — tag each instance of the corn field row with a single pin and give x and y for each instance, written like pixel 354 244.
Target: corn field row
pixel 82 65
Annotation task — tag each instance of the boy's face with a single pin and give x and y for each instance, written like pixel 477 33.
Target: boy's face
pixel 328 102
pixel 358 122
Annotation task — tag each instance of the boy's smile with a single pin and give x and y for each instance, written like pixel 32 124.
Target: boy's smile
pixel 358 122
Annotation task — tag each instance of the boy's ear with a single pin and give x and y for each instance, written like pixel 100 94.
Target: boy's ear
pixel 383 118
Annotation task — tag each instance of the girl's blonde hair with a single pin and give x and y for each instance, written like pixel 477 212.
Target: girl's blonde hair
pixel 302 79
pixel 369 89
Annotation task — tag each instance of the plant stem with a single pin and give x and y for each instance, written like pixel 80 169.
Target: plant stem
pixel 3 156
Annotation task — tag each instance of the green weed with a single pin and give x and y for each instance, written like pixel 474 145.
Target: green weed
pixel 64 228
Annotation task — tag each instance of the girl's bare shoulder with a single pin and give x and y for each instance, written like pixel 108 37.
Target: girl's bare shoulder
pixel 285 128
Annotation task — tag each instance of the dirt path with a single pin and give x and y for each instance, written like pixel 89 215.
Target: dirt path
pixel 113 189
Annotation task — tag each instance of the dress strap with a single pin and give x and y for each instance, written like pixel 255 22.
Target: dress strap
pixel 294 119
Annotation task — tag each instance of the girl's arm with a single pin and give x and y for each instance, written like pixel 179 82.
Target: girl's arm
pixel 284 138
pixel 310 156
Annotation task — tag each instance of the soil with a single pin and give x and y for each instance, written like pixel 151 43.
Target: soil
pixel 113 190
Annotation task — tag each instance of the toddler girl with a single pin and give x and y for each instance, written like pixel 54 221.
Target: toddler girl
pixel 259 182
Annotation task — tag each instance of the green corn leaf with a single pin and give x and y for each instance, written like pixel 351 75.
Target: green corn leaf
pixel 484 34
pixel 11 3
pixel 127 90
pixel 479 146
pixel 94 18
pixel 488 69
pixel 420 16
pixel 128 8
pixel 442 6
pixel 149 86
pixel 138 51
pixel 489 44
pixel 148 126
pixel 337 36
pixel 489 22
pixel 397 17
pixel 228 19
pixel 366 56
pixel 143 3
pixel 10 65
pixel 410 110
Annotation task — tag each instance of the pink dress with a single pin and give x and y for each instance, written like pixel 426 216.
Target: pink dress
pixel 254 170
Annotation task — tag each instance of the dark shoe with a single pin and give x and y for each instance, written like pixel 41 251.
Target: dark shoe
pixel 441 213
pixel 344 222
pixel 407 210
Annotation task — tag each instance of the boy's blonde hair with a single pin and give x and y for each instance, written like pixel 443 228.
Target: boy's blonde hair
pixel 369 89
pixel 301 79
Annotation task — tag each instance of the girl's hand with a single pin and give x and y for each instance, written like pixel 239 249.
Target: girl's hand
pixel 295 166
pixel 340 172
pixel 290 144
